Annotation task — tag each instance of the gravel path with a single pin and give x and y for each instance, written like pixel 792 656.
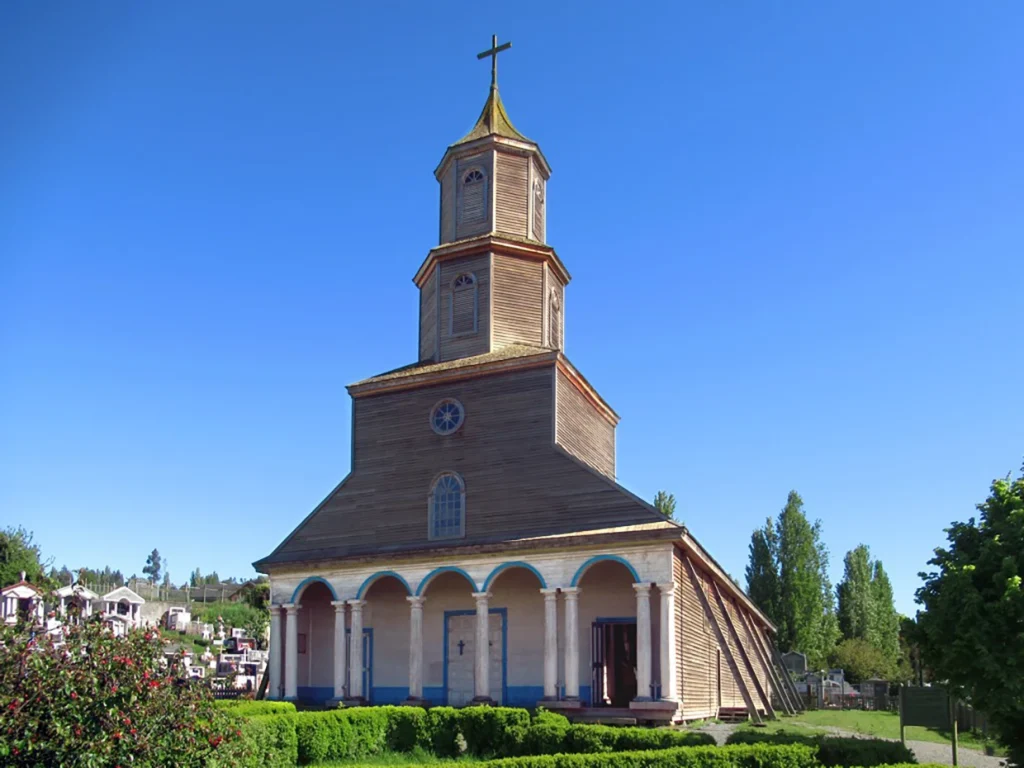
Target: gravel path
pixel 924 751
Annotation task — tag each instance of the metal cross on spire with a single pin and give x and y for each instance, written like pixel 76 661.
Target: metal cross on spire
pixel 493 53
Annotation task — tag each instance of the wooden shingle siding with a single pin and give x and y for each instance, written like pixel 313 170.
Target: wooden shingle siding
pixel 428 318
pixel 582 431
pixel 448 205
pixel 513 194
pixel 472 343
pixel 473 204
pixel 518 293
pixel 515 479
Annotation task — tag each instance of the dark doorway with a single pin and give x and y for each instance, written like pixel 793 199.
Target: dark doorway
pixel 613 651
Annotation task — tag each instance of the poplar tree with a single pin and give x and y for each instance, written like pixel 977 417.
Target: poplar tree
pixel 857 599
pixel 886 629
pixel 763 571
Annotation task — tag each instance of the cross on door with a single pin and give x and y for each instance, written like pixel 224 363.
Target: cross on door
pixel 462 645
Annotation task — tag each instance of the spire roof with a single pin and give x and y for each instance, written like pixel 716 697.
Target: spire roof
pixel 493 121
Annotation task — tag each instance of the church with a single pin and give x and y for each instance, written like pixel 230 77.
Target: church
pixel 480 549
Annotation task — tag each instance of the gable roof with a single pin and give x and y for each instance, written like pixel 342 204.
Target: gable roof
pixel 22 589
pixel 77 589
pixel 123 593
pixel 348 525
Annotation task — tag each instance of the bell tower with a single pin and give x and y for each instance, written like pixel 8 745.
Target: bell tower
pixel 492 281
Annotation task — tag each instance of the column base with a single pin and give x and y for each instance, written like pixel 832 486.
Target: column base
pixel 415 702
pixel 354 701
pixel 573 703
pixel 338 702
pixel 483 700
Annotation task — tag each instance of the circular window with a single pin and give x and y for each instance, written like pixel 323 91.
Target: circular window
pixel 446 417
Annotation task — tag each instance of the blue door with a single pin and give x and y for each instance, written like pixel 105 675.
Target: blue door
pixel 367 661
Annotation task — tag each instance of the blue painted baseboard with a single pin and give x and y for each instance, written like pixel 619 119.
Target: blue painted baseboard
pixel 316 694
pixel 585 695
pixel 393 694
pixel 434 694
pixel 523 695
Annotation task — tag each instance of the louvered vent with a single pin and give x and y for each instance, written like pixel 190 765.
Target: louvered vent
pixel 474 197
pixel 463 305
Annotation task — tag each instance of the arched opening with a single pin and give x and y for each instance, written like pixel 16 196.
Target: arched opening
pixel 449 636
pixel 515 593
pixel 608 632
pixel 385 671
pixel 315 649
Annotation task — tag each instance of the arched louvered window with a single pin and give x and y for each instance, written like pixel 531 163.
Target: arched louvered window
pixel 462 305
pixel 474 197
pixel 555 320
pixel 447 507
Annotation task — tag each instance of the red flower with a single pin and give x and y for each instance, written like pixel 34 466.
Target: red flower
pixel 132 731
pixel 113 688
pixel 78 730
pixel 74 695
pixel 117 734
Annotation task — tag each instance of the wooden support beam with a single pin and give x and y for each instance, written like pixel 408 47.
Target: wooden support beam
pixel 765 698
pixel 784 674
pixel 767 666
pixel 755 716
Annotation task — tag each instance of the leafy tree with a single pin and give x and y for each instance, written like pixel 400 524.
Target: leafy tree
pixel 167 580
pixel 153 566
pixel 100 700
pixel 856 597
pixel 763 571
pixel 666 504
pixel 861 660
pixel 19 553
pixel 806 618
pixel 970 628
pixel 885 630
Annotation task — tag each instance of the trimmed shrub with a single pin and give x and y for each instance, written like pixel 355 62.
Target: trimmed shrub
pixel 270 741
pixel 407 729
pixel 740 756
pixel 249 708
pixel 833 750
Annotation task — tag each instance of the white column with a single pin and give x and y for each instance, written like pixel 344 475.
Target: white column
pixel 667 641
pixel 415 647
pixel 340 644
pixel 550 644
pixel 291 650
pixel 643 641
pixel 572 643
pixel 355 653
pixel 482 667
pixel 274 663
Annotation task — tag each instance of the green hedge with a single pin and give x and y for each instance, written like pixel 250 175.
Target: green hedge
pixel 250 708
pixel 833 750
pixel 270 741
pixel 740 756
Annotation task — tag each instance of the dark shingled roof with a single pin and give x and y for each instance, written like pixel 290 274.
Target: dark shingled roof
pixel 493 121
pixel 511 352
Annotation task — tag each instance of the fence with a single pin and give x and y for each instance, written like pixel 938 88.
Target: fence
pixel 208 593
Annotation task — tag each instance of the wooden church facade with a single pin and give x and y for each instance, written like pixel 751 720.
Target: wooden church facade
pixel 480 548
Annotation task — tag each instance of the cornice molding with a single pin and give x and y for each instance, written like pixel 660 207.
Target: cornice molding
pixel 492 243
pixel 501 143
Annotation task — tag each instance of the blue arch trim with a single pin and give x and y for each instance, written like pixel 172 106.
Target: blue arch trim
pixel 444 569
pixel 306 582
pixel 370 580
pixel 514 564
pixel 598 558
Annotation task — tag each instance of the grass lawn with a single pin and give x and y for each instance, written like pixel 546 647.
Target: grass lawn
pixel 417 757
pixel 884 725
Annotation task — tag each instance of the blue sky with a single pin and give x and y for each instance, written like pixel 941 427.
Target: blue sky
pixel 796 233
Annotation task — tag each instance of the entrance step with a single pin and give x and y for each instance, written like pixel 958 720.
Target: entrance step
pixel 733 714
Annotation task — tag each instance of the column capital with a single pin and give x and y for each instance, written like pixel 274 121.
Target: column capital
pixel 339 605
pixel 642 590
pixel 571 593
pixel 292 608
pixel 667 588
pixel 416 601
pixel 482 596
pixel 550 593
pixel 356 603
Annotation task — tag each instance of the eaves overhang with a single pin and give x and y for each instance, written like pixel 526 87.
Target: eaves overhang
pixel 503 244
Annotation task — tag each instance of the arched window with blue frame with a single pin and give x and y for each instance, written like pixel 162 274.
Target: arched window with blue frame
pixel 447 507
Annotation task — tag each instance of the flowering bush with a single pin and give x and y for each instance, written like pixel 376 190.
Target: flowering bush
pixel 94 700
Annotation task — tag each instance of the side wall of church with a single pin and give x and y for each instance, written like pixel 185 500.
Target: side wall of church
pixel 581 430
pixel 518 301
pixel 428 317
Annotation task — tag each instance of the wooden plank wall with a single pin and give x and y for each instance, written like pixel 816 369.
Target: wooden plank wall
pixel 428 317
pixel 581 430
pixel 698 656
pixel 518 293
pixel 513 201
pixel 465 345
pixel 448 205
pixel 464 229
